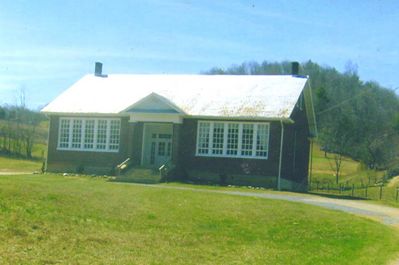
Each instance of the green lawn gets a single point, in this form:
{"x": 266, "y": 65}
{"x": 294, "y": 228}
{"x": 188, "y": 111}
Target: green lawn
{"x": 51, "y": 219}
{"x": 9, "y": 164}
{"x": 351, "y": 171}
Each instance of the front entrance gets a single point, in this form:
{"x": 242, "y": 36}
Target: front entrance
{"x": 161, "y": 148}
{"x": 157, "y": 148}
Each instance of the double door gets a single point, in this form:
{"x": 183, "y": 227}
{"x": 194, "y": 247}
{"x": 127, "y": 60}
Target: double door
{"x": 161, "y": 148}
{"x": 157, "y": 144}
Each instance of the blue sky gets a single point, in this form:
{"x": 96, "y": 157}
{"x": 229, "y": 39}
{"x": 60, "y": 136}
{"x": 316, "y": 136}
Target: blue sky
{"x": 46, "y": 46}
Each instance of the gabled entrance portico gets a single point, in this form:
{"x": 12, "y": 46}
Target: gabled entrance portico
{"x": 155, "y": 119}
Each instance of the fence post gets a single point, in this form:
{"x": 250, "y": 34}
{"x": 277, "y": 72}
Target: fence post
{"x": 381, "y": 191}
{"x": 317, "y": 186}
{"x": 365, "y": 191}
{"x": 397, "y": 191}
{"x": 353, "y": 189}
{"x": 339, "y": 188}
{"x": 328, "y": 187}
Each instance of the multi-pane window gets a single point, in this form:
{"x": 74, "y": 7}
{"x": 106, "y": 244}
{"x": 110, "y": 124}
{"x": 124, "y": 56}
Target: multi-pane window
{"x": 89, "y": 134}
{"x": 63, "y": 141}
{"x": 217, "y": 143}
{"x": 247, "y": 139}
{"x": 102, "y": 134}
{"x": 76, "y": 133}
{"x": 203, "y": 138}
{"x": 233, "y": 139}
{"x": 262, "y": 144}
{"x": 114, "y": 134}
{"x": 161, "y": 148}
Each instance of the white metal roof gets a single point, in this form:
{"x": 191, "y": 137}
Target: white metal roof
{"x": 267, "y": 96}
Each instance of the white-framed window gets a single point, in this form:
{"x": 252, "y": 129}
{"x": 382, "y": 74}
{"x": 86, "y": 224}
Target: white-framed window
{"x": 89, "y": 134}
{"x": 101, "y": 143}
{"x": 63, "y": 137}
{"x": 76, "y": 134}
{"x": 217, "y": 143}
{"x": 203, "y": 138}
{"x": 262, "y": 140}
{"x": 247, "y": 139}
{"x": 233, "y": 139}
{"x": 114, "y": 133}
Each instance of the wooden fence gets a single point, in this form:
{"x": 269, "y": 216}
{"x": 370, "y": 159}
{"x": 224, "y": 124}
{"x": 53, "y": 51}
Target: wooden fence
{"x": 379, "y": 191}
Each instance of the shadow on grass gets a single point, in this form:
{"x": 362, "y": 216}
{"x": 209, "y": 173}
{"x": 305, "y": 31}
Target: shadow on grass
{"x": 337, "y": 196}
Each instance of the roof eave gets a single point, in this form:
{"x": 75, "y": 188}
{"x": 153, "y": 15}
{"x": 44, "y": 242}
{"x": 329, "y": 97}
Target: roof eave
{"x": 85, "y": 114}
{"x": 249, "y": 118}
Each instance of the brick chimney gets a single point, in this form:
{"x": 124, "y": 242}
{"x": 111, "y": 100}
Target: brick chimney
{"x": 294, "y": 68}
{"x": 98, "y": 70}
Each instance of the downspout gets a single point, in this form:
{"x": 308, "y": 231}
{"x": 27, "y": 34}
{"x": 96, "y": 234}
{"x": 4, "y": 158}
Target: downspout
{"x": 45, "y": 160}
{"x": 311, "y": 164}
{"x": 281, "y": 156}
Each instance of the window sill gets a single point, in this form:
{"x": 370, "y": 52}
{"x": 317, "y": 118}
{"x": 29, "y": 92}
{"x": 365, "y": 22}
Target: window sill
{"x": 236, "y": 157}
{"x": 87, "y": 150}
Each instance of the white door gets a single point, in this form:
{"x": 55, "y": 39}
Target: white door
{"x": 157, "y": 144}
{"x": 161, "y": 149}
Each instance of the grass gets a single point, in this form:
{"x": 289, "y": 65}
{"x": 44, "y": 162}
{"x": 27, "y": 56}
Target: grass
{"x": 9, "y": 164}
{"x": 351, "y": 171}
{"x": 51, "y": 219}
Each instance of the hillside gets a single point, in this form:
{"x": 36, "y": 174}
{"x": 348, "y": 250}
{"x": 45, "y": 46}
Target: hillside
{"x": 323, "y": 169}
{"x": 356, "y": 118}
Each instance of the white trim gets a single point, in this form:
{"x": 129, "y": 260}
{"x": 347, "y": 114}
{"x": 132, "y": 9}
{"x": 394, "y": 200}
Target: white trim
{"x": 248, "y": 119}
{"x": 309, "y": 109}
{"x": 164, "y": 100}
{"x": 82, "y": 130}
{"x": 143, "y": 145}
{"x": 239, "y": 138}
{"x": 108, "y": 134}
{"x": 240, "y": 128}
{"x": 281, "y": 157}
{"x": 157, "y": 117}
{"x": 70, "y": 124}
{"x": 197, "y": 140}
{"x": 254, "y": 138}
{"x": 225, "y": 135}
{"x": 210, "y": 140}
{"x": 87, "y": 150}
{"x": 182, "y": 116}
{"x": 146, "y": 136}
{"x": 89, "y": 115}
